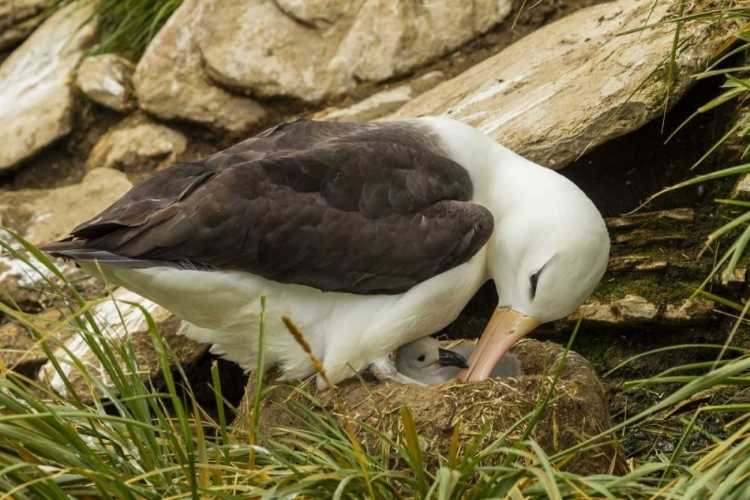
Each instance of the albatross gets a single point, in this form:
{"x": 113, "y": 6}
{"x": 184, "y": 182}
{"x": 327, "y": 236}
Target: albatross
{"x": 367, "y": 235}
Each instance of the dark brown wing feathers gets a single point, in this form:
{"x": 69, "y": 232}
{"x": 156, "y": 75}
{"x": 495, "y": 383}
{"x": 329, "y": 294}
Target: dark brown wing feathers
{"x": 360, "y": 208}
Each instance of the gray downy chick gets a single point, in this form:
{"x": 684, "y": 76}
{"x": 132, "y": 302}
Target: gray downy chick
{"x": 509, "y": 365}
{"x": 425, "y": 361}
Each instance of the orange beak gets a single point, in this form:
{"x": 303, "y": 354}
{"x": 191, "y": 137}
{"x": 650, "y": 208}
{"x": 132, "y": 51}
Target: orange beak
{"x": 506, "y": 327}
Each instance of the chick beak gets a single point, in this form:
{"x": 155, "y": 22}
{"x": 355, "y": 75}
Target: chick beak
{"x": 506, "y": 327}
{"x": 450, "y": 358}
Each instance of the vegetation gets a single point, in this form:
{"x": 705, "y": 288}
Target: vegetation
{"x": 125, "y": 26}
{"x": 133, "y": 441}
{"x": 124, "y": 438}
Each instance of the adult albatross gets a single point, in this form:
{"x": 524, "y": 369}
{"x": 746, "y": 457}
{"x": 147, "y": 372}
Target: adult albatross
{"x": 368, "y": 235}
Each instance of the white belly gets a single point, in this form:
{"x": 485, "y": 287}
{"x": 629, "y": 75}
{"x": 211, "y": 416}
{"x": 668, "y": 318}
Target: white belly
{"x": 345, "y": 331}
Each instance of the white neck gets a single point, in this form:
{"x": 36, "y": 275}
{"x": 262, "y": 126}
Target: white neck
{"x": 520, "y": 194}
{"x": 503, "y": 181}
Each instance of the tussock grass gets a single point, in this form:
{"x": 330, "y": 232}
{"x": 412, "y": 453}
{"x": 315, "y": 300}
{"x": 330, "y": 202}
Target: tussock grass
{"x": 735, "y": 87}
{"x": 125, "y": 26}
{"x": 136, "y": 442}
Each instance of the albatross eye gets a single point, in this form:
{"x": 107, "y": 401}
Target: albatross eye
{"x": 421, "y": 358}
{"x": 534, "y": 279}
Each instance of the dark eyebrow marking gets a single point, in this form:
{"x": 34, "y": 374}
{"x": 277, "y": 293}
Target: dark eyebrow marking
{"x": 534, "y": 279}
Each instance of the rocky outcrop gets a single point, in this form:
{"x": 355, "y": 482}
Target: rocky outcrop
{"x": 138, "y": 147}
{"x": 648, "y": 282}
{"x": 170, "y": 82}
{"x": 633, "y": 310}
{"x": 18, "y": 18}
{"x": 323, "y": 50}
{"x": 107, "y": 80}
{"x": 741, "y": 190}
{"x": 383, "y": 102}
{"x": 121, "y": 319}
{"x": 36, "y": 98}
{"x": 575, "y": 84}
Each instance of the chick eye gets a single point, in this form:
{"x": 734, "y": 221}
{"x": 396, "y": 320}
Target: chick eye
{"x": 534, "y": 279}
{"x": 421, "y": 358}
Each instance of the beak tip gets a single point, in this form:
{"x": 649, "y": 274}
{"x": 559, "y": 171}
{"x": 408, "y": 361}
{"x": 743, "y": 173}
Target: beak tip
{"x": 451, "y": 358}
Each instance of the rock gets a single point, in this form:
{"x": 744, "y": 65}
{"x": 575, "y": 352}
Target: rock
{"x": 36, "y": 99}
{"x": 634, "y": 310}
{"x": 385, "y": 101}
{"x": 636, "y": 262}
{"x": 19, "y": 349}
{"x": 107, "y": 80}
{"x": 737, "y": 279}
{"x": 119, "y": 318}
{"x": 644, "y": 237}
{"x": 651, "y": 228}
{"x": 680, "y": 215}
{"x": 42, "y": 216}
{"x": 742, "y": 190}
{"x": 574, "y": 84}
{"x": 18, "y": 18}
{"x": 137, "y": 147}
{"x": 170, "y": 82}
{"x": 320, "y": 50}
{"x": 691, "y": 312}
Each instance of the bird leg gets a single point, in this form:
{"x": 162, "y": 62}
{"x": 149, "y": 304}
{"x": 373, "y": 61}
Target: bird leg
{"x": 385, "y": 370}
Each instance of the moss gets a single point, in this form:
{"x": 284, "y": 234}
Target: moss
{"x": 653, "y": 287}
{"x": 594, "y": 348}
{"x": 742, "y": 337}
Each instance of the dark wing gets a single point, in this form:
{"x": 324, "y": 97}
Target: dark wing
{"x": 370, "y": 211}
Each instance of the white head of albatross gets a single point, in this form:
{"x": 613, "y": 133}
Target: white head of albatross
{"x": 368, "y": 235}
{"x": 549, "y": 248}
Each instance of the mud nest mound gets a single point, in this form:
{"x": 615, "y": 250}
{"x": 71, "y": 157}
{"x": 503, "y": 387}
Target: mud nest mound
{"x": 577, "y": 410}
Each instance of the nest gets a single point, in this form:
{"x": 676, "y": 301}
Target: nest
{"x": 576, "y": 412}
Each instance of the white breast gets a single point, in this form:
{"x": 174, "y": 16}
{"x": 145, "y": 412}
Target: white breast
{"x": 343, "y": 330}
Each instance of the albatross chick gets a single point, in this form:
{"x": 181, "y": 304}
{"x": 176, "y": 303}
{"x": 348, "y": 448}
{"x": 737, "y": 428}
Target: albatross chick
{"x": 427, "y": 362}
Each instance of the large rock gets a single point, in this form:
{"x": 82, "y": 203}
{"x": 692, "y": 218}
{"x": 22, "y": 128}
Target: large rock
{"x": 632, "y": 310}
{"x": 36, "y": 98}
{"x": 576, "y": 83}
{"x": 42, "y": 216}
{"x": 383, "y": 102}
{"x": 120, "y": 318}
{"x": 171, "y": 84}
{"x": 137, "y": 147}
{"x": 317, "y": 50}
{"x": 18, "y": 18}
{"x": 107, "y": 80}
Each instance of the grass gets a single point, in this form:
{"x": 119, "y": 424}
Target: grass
{"x": 735, "y": 90}
{"x": 127, "y": 440}
{"x": 126, "y": 27}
